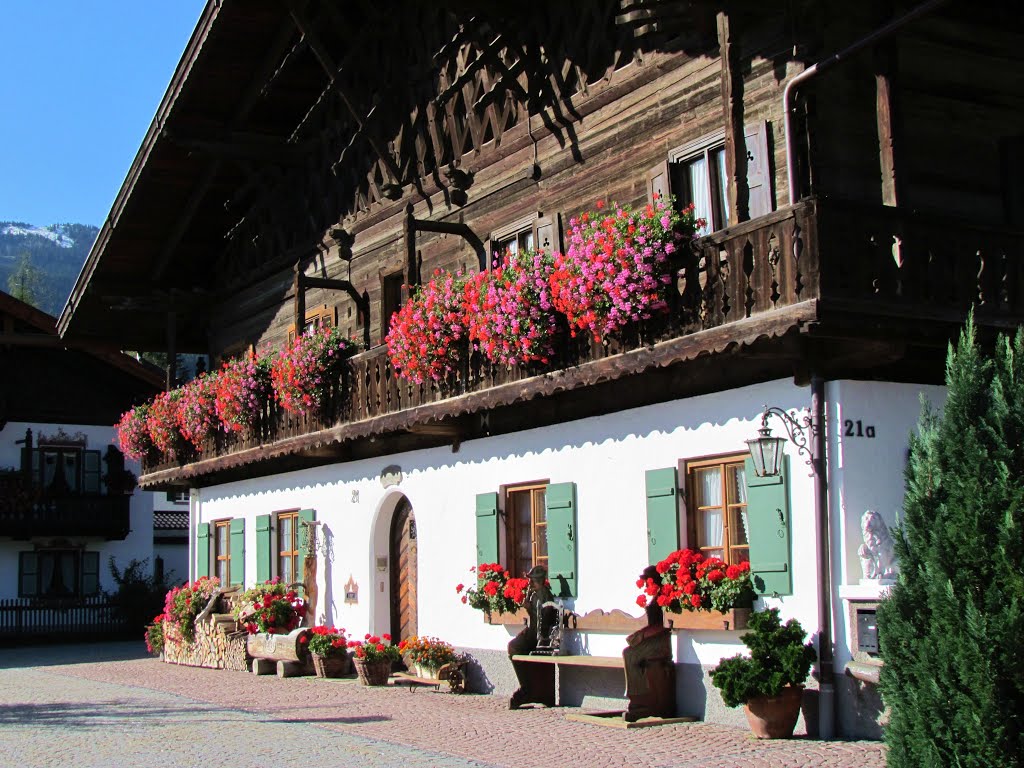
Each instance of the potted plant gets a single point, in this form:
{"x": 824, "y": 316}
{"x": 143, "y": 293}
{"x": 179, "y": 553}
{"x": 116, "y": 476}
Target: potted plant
{"x": 770, "y": 682}
{"x": 509, "y": 312}
{"x": 496, "y": 591}
{"x": 691, "y": 582}
{"x": 426, "y": 334}
{"x": 155, "y": 636}
{"x": 329, "y": 649}
{"x": 615, "y": 270}
{"x": 373, "y": 658}
{"x": 182, "y": 605}
{"x": 242, "y": 391}
{"x": 426, "y": 655}
{"x": 304, "y": 374}
{"x": 271, "y": 608}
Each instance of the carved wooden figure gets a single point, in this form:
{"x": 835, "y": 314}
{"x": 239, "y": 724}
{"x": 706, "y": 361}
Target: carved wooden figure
{"x": 650, "y": 672}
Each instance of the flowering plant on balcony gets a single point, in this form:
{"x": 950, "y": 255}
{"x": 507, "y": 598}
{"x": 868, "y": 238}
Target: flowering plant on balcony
{"x": 302, "y": 374}
{"x": 133, "y": 432}
{"x": 162, "y": 422}
{"x": 155, "y": 635}
{"x": 509, "y": 311}
{"x": 428, "y": 652}
{"x": 197, "y": 414}
{"x": 182, "y": 605}
{"x": 242, "y": 389}
{"x": 615, "y": 270}
{"x": 423, "y": 341}
{"x": 374, "y": 648}
{"x": 328, "y": 641}
{"x": 692, "y": 582}
{"x": 270, "y": 607}
{"x": 496, "y": 590}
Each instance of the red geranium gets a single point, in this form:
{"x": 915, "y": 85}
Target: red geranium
{"x": 242, "y": 391}
{"x": 423, "y": 341}
{"x": 691, "y": 581}
{"x": 303, "y": 373}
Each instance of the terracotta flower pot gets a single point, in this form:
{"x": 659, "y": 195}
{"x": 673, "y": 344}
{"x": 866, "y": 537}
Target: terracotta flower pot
{"x": 774, "y": 717}
{"x": 373, "y": 672}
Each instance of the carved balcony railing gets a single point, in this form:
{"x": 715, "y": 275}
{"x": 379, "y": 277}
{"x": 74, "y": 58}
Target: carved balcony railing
{"x": 873, "y": 261}
{"x": 25, "y": 512}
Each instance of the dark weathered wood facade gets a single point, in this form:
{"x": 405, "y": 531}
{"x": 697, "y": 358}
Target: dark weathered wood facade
{"x": 309, "y": 153}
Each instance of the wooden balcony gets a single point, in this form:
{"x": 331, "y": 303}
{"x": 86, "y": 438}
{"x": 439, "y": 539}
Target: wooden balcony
{"x": 829, "y": 269}
{"x": 25, "y": 512}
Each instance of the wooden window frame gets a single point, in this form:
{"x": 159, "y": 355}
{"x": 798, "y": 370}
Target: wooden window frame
{"x": 692, "y": 509}
{"x": 527, "y": 224}
{"x": 79, "y": 571}
{"x": 693, "y": 150}
{"x": 321, "y": 315}
{"x": 509, "y": 529}
{"x": 279, "y": 552}
{"x": 216, "y": 556}
{"x": 387, "y": 311}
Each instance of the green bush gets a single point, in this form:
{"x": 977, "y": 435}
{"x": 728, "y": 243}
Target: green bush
{"x": 139, "y": 595}
{"x": 952, "y": 628}
{"x": 778, "y": 657}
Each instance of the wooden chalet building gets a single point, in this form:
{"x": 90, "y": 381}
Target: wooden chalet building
{"x": 67, "y": 501}
{"x": 859, "y": 166}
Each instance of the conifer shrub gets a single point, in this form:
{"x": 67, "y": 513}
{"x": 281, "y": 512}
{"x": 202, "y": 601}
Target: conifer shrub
{"x": 951, "y": 630}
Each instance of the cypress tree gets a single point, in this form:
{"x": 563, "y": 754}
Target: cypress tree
{"x": 951, "y": 630}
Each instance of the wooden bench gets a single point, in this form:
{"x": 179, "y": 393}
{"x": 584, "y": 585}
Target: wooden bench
{"x": 541, "y": 684}
{"x": 609, "y": 662}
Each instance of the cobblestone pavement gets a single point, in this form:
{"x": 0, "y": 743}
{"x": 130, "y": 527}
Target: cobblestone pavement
{"x": 105, "y": 706}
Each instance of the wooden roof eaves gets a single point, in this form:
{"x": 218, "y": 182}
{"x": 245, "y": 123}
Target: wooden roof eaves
{"x": 733, "y": 335}
{"x": 174, "y": 88}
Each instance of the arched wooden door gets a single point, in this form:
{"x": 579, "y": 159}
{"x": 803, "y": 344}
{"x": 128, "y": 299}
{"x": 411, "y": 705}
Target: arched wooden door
{"x": 403, "y": 572}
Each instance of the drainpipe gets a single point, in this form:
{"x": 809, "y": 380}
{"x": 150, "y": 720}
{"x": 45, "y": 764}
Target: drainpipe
{"x": 830, "y": 62}
{"x": 826, "y": 673}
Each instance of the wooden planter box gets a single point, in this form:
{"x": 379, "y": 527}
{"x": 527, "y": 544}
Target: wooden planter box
{"x": 518, "y": 618}
{"x": 709, "y": 620}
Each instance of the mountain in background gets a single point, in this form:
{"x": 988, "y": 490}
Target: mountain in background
{"x": 55, "y": 255}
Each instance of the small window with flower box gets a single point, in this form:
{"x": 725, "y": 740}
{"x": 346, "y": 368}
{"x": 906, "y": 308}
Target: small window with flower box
{"x": 536, "y": 232}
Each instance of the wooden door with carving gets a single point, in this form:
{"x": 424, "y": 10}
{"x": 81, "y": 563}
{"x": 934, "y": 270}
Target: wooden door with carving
{"x": 403, "y": 572}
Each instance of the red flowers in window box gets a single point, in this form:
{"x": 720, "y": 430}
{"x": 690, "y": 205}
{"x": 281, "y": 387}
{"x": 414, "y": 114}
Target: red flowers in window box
{"x": 303, "y": 373}
{"x": 496, "y": 590}
{"x": 242, "y": 390}
{"x": 509, "y": 312}
{"x": 424, "y": 338}
{"x": 197, "y": 414}
{"x": 133, "y": 432}
{"x": 691, "y": 582}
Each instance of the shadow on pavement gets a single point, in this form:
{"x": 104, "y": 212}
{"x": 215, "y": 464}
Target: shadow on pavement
{"x": 76, "y": 653}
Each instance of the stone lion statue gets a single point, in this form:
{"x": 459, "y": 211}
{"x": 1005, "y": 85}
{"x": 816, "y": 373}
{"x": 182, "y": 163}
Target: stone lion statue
{"x": 877, "y": 558}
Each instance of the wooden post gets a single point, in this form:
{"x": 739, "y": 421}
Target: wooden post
{"x": 300, "y": 300}
{"x": 411, "y": 278}
{"x": 886, "y": 115}
{"x": 172, "y": 350}
{"x": 737, "y": 194}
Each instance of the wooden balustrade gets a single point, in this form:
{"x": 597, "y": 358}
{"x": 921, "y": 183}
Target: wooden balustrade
{"x": 872, "y": 259}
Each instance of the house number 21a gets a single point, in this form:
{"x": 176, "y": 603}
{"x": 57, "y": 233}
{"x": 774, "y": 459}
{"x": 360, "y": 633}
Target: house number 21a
{"x": 857, "y": 429}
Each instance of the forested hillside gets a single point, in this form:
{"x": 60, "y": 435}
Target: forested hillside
{"x": 44, "y": 261}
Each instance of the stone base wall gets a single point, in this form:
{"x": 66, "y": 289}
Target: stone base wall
{"x": 218, "y": 644}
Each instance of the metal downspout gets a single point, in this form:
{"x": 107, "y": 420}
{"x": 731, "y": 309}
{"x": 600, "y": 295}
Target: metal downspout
{"x": 826, "y": 673}
{"x": 830, "y": 62}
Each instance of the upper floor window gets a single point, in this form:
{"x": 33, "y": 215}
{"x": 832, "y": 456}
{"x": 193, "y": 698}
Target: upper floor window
{"x": 537, "y": 232}
{"x": 322, "y": 316}
{"x": 697, "y": 172}
{"x": 391, "y": 287}
{"x": 717, "y": 494}
{"x": 65, "y": 469}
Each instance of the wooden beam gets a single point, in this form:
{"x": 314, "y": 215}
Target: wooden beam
{"x": 322, "y": 55}
{"x": 887, "y": 119}
{"x": 172, "y": 350}
{"x": 732, "y": 107}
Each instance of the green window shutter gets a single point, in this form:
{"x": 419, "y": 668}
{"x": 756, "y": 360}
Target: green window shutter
{"x": 28, "y": 574}
{"x": 769, "y": 531}
{"x": 560, "y": 508}
{"x": 91, "y": 471}
{"x": 90, "y": 573}
{"x": 662, "y": 513}
{"x": 486, "y": 528}
{"x": 237, "y": 570}
{"x": 305, "y": 516}
{"x": 202, "y": 550}
{"x": 264, "y": 548}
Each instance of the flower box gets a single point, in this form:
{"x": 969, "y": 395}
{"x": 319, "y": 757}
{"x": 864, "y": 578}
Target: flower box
{"x": 735, "y": 619}
{"x": 517, "y": 618}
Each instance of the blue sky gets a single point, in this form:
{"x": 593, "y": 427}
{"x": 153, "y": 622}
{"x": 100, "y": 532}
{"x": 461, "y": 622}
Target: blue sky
{"x": 80, "y": 81}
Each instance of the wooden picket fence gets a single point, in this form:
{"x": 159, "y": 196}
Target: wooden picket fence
{"x": 82, "y": 619}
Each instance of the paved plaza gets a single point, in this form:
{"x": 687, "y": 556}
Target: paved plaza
{"x": 106, "y": 705}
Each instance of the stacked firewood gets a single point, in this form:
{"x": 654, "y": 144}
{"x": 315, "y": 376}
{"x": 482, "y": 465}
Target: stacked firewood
{"x": 219, "y": 642}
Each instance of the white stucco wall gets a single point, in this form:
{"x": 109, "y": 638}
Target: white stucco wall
{"x": 605, "y": 456}
{"x": 138, "y": 544}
